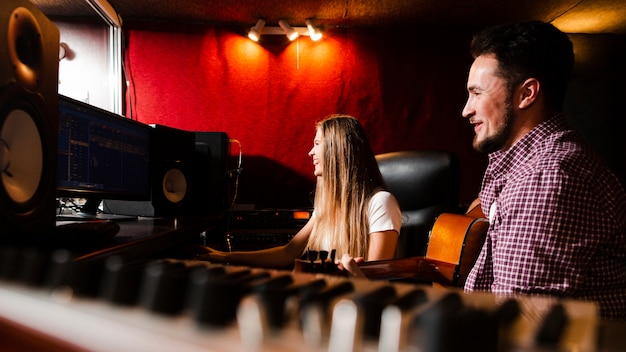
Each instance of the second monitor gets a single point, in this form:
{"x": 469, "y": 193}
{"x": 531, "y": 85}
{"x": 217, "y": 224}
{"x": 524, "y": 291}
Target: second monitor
{"x": 101, "y": 155}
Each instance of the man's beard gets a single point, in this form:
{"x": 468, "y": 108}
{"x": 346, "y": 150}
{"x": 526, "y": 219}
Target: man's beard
{"x": 496, "y": 142}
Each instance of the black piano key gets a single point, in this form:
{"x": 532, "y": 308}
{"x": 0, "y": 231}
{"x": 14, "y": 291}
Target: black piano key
{"x": 552, "y": 326}
{"x": 9, "y": 258}
{"x": 204, "y": 295}
{"x": 269, "y": 283}
{"x": 506, "y": 313}
{"x": 432, "y": 329}
{"x": 328, "y": 293}
{"x": 272, "y": 292}
{"x": 410, "y": 299}
{"x": 371, "y": 305}
{"x": 502, "y": 318}
{"x": 220, "y": 297}
{"x": 322, "y": 298}
{"x": 393, "y": 327}
{"x": 197, "y": 278}
{"x": 31, "y": 267}
{"x": 163, "y": 288}
{"x": 275, "y": 298}
{"x": 311, "y": 290}
{"x": 24, "y": 265}
{"x": 121, "y": 282}
{"x": 476, "y": 331}
{"x": 83, "y": 278}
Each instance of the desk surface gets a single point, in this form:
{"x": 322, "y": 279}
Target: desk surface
{"x": 145, "y": 237}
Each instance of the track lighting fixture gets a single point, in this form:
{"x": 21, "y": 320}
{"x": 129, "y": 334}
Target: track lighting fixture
{"x": 255, "y": 32}
{"x": 289, "y": 32}
{"x": 314, "y": 33}
{"x": 284, "y": 29}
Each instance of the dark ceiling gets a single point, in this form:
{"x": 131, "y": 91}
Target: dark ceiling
{"x": 574, "y": 16}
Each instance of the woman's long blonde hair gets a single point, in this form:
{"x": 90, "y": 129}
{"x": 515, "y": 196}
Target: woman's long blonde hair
{"x": 350, "y": 175}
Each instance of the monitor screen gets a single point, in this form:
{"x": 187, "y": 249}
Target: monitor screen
{"x": 101, "y": 154}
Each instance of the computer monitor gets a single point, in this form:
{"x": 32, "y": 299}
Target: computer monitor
{"x": 101, "y": 155}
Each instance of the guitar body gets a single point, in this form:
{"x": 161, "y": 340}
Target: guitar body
{"x": 454, "y": 245}
{"x": 457, "y": 239}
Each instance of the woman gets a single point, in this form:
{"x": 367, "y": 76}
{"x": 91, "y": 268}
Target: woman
{"x": 353, "y": 213}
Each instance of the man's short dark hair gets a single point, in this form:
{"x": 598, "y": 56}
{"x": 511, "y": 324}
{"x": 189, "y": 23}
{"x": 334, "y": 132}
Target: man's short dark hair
{"x": 531, "y": 49}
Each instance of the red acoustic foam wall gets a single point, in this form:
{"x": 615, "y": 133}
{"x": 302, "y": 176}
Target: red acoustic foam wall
{"x": 407, "y": 91}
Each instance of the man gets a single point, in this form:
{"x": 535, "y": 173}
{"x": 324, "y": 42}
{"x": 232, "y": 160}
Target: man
{"x": 557, "y": 215}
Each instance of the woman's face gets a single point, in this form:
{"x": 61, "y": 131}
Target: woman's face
{"x": 317, "y": 153}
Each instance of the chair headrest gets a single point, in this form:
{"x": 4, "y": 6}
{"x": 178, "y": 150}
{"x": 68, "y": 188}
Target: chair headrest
{"x": 421, "y": 178}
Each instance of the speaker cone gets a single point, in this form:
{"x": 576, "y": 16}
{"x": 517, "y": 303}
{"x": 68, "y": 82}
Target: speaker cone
{"x": 21, "y": 157}
{"x": 174, "y": 185}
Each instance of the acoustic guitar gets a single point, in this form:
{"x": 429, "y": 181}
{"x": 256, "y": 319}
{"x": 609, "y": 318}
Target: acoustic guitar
{"x": 454, "y": 243}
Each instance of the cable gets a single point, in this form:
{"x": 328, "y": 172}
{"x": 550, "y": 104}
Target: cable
{"x": 237, "y": 173}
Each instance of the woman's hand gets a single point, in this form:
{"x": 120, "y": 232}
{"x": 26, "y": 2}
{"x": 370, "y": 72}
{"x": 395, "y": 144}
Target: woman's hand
{"x": 351, "y": 266}
{"x": 205, "y": 253}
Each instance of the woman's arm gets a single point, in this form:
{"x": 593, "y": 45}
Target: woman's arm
{"x": 277, "y": 257}
{"x": 385, "y": 220}
{"x": 382, "y": 245}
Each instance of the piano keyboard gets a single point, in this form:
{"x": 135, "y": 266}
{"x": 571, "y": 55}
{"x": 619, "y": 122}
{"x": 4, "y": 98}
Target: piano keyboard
{"x": 188, "y": 305}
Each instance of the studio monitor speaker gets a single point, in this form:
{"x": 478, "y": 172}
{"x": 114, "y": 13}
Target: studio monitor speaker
{"x": 211, "y": 172}
{"x": 172, "y": 179}
{"x": 29, "y": 63}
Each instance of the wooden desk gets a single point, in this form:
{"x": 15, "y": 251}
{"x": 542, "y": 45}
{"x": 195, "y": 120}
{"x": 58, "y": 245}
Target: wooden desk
{"x": 146, "y": 237}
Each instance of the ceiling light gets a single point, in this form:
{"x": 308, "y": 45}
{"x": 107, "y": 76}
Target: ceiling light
{"x": 314, "y": 33}
{"x": 255, "y": 32}
{"x": 289, "y": 32}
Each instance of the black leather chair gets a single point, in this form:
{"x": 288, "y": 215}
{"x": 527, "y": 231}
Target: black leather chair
{"x": 426, "y": 184}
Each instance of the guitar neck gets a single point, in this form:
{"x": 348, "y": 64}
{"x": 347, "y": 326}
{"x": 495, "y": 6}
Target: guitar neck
{"x": 421, "y": 268}
{"x": 414, "y": 267}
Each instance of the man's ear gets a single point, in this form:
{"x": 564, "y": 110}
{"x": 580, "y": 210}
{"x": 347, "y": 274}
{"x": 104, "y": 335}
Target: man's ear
{"x": 528, "y": 93}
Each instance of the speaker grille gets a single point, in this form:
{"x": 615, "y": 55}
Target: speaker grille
{"x": 29, "y": 59}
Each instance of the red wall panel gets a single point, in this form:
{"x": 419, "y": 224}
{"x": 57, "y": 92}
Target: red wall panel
{"x": 406, "y": 88}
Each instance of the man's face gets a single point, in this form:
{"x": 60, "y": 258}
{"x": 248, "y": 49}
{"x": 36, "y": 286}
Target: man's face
{"x": 488, "y": 106}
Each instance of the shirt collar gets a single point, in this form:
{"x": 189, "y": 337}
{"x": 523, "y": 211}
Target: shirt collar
{"x": 501, "y": 160}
